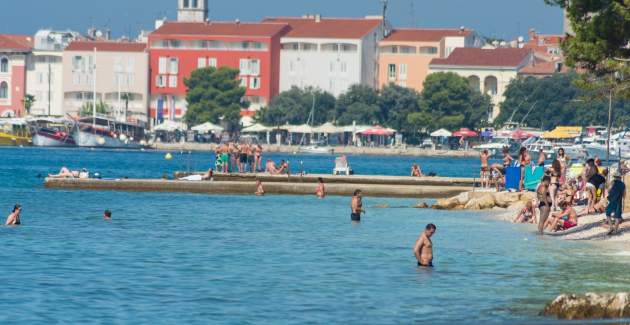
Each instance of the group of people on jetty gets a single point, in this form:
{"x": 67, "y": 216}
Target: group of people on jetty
{"x": 562, "y": 197}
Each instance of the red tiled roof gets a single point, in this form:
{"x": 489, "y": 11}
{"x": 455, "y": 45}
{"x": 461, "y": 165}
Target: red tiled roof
{"x": 106, "y": 46}
{"x": 328, "y": 27}
{"x": 500, "y": 57}
{"x": 424, "y": 34}
{"x": 542, "y": 68}
{"x": 15, "y": 42}
{"x": 221, "y": 29}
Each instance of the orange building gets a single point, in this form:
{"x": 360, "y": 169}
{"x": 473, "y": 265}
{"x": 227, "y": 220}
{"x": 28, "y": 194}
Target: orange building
{"x": 405, "y": 54}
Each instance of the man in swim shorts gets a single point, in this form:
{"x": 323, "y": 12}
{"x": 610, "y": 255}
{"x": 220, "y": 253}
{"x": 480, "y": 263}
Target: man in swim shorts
{"x": 423, "y": 250}
{"x": 616, "y": 193}
{"x": 356, "y": 206}
{"x": 485, "y": 171}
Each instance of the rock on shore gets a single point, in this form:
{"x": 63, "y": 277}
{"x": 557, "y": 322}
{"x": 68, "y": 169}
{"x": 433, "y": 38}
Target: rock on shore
{"x": 589, "y": 306}
{"x": 484, "y": 200}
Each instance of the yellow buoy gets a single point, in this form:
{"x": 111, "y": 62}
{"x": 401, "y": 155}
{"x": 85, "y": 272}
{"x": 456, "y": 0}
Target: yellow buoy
{"x": 168, "y": 156}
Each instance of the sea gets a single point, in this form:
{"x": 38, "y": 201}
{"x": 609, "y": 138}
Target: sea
{"x": 175, "y": 258}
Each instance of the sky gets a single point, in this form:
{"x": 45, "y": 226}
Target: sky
{"x": 505, "y": 19}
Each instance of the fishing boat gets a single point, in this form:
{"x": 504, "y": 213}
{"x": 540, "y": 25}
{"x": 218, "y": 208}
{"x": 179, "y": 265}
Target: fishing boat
{"x": 14, "y": 132}
{"x": 104, "y": 132}
{"x": 52, "y": 132}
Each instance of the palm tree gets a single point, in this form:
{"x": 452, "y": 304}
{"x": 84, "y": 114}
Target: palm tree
{"x": 28, "y": 102}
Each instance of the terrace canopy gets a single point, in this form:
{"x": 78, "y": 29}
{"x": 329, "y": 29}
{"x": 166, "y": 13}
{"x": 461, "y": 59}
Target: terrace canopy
{"x": 207, "y": 127}
{"x": 378, "y": 130}
{"x": 256, "y": 128}
{"x": 169, "y": 126}
{"x": 441, "y": 133}
{"x": 465, "y": 132}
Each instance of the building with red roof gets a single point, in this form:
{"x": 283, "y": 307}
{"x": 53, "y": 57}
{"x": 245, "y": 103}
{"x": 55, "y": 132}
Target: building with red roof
{"x": 117, "y": 70}
{"x": 178, "y": 48}
{"x": 405, "y": 54}
{"x": 329, "y": 53}
{"x": 488, "y": 70}
{"x": 14, "y": 50}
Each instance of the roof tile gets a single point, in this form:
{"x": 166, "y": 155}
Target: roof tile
{"x": 221, "y": 29}
{"x": 424, "y": 34}
{"x": 345, "y": 28}
{"x": 16, "y": 42}
{"x": 103, "y": 46}
{"x": 500, "y": 57}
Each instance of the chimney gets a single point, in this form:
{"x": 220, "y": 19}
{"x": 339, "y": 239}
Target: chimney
{"x": 532, "y": 34}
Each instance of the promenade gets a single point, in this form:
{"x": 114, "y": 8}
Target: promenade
{"x": 338, "y": 150}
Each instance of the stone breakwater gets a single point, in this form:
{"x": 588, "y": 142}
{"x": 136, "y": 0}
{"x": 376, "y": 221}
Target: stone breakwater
{"x": 589, "y": 306}
{"x": 485, "y": 200}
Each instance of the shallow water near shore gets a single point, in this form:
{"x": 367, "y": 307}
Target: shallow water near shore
{"x": 188, "y": 258}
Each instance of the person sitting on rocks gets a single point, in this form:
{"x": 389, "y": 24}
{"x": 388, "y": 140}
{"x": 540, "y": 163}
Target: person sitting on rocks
{"x": 526, "y": 215}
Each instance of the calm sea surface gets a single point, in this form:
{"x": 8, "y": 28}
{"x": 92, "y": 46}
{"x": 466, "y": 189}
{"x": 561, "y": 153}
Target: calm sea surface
{"x": 189, "y": 258}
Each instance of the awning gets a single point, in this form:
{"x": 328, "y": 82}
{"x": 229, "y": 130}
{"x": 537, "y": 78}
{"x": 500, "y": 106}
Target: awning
{"x": 304, "y": 128}
{"x": 519, "y": 134}
{"x": 328, "y": 128}
{"x": 563, "y": 132}
{"x": 441, "y": 133}
{"x": 465, "y": 132}
{"x": 12, "y": 121}
{"x": 378, "y": 130}
{"x": 208, "y": 127}
{"x": 256, "y": 128}
{"x": 169, "y": 126}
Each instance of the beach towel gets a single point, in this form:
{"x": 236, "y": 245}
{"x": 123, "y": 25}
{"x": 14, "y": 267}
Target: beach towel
{"x": 512, "y": 178}
{"x": 532, "y": 177}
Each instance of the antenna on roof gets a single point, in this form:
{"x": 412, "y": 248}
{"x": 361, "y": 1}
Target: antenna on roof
{"x": 385, "y": 27}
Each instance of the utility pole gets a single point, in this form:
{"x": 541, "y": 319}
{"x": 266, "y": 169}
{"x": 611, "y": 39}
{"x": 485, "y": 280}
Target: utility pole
{"x": 610, "y": 110}
{"x": 49, "y": 82}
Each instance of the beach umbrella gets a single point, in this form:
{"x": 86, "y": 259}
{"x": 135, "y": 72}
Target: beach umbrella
{"x": 441, "y": 133}
{"x": 519, "y": 134}
{"x": 465, "y": 132}
{"x": 304, "y": 128}
{"x": 328, "y": 128}
{"x": 256, "y": 128}
{"x": 207, "y": 127}
{"x": 378, "y": 130}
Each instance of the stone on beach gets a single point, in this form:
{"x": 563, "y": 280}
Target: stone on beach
{"x": 484, "y": 200}
{"x": 589, "y": 306}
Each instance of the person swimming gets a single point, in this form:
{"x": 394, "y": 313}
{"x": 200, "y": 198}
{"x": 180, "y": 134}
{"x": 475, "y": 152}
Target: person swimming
{"x": 320, "y": 192}
{"x": 356, "y": 206}
{"x": 260, "y": 190}
{"x": 107, "y": 215}
{"x": 423, "y": 249}
{"x": 14, "y": 218}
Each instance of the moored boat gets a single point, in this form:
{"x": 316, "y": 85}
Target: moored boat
{"x": 316, "y": 150}
{"x": 14, "y": 132}
{"x": 52, "y": 132}
{"x": 103, "y": 132}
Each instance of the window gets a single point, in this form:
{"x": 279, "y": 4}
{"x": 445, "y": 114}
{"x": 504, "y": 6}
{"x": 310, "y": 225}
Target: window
{"x": 131, "y": 63}
{"x": 163, "y": 61}
{"x": 174, "y": 66}
{"x": 254, "y": 66}
{"x": 195, "y": 4}
{"x": 391, "y": 72}
{"x": 389, "y": 49}
{"x": 291, "y": 46}
{"x": 330, "y": 47}
{"x": 4, "y": 90}
{"x": 244, "y": 66}
{"x": 291, "y": 67}
{"x": 40, "y": 78}
{"x": 76, "y": 78}
{"x": 160, "y": 81}
{"x": 348, "y": 48}
{"x": 4, "y": 65}
{"x": 118, "y": 65}
{"x": 344, "y": 67}
{"x": 407, "y": 49}
{"x": 130, "y": 80}
{"x": 254, "y": 83}
{"x": 186, "y": 3}
{"x": 172, "y": 81}
{"x": 428, "y": 50}
{"x": 403, "y": 71}
{"x": 212, "y": 62}
{"x": 332, "y": 67}
{"x": 78, "y": 63}
{"x": 201, "y": 63}
{"x": 243, "y": 82}
{"x": 308, "y": 47}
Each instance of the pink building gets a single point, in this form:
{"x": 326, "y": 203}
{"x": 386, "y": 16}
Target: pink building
{"x": 13, "y": 52}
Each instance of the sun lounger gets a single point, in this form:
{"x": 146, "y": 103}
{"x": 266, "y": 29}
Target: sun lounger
{"x": 341, "y": 166}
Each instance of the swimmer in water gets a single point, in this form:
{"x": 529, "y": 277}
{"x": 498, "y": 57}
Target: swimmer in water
{"x": 356, "y": 206}
{"x": 107, "y": 215}
{"x": 423, "y": 250}
{"x": 320, "y": 192}
{"x": 14, "y": 218}
{"x": 260, "y": 190}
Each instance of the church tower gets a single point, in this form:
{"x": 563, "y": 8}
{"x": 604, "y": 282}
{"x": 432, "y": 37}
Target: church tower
{"x": 192, "y": 10}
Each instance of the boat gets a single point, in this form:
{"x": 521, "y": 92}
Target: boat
{"x": 621, "y": 144}
{"x": 573, "y": 151}
{"x": 52, "y": 132}
{"x": 316, "y": 150}
{"x": 104, "y": 132}
{"x": 14, "y": 132}
{"x": 496, "y": 145}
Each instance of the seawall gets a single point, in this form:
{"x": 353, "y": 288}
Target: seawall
{"x": 248, "y": 188}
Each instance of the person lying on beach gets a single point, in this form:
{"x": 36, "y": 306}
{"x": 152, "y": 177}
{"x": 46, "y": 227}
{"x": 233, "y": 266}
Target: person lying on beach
{"x": 65, "y": 173}
{"x": 270, "y": 167}
{"x": 14, "y": 218}
{"x": 197, "y": 178}
{"x": 284, "y": 168}
{"x": 320, "y": 192}
{"x": 416, "y": 171}
{"x": 526, "y": 215}
{"x": 423, "y": 249}
{"x": 565, "y": 219}
{"x": 260, "y": 190}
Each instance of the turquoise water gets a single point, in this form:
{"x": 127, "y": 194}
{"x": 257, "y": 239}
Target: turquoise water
{"x": 188, "y": 258}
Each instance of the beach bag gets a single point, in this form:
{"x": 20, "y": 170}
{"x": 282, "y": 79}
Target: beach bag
{"x": 532, "y": 177}
{"x": 512, "y": 178}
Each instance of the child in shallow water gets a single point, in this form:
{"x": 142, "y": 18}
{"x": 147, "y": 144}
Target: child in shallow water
{"x": 526, "y": 215}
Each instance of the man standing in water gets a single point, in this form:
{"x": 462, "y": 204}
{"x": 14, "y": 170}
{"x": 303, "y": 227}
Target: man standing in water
{"x": 14, "y": 218}
{"x": 423, "y": 250}
{"x": 356, "y": 206}
{"x": 107, "y": 215}
{"x": 485, "y": 171}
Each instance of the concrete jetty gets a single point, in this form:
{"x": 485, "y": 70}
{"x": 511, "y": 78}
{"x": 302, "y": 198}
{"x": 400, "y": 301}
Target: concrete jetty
{"x": 274, "y": 184}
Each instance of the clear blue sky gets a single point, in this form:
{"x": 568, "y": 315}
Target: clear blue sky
{"x": 497, "y": 18}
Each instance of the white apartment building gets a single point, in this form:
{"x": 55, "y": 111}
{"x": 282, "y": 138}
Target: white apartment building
{"x": 44, "y": 71}
{"x": 329, "y": 53}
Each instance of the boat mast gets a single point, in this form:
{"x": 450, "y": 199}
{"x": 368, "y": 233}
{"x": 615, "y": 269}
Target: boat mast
{"x": 94, "y": 90}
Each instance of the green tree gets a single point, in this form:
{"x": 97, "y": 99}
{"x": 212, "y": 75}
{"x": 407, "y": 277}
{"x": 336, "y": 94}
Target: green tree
{"x": 448, "y": 102}
{"x": 359, "y": 104}
{"x": 397, "y": 103}
{"x": 599, "y": 43}
{"x": 101, "y": 109}
{"x": 28, "y": 101}
{"x": 214, "y": 95}
{"x": 557, "y": 100}
{"x": 294, "y": 106}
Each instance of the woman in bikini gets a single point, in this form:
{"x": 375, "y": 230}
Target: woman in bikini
{"x": 320, "y": 192}
{"x": 555, "y": 173}
{"x": 544, "y": 202}
{"x": 526, "y": 215}
{"x": 564, "y": 162}
{"x": 524, "y": 160}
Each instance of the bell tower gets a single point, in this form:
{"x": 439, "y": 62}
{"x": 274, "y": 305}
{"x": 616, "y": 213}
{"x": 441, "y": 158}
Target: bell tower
{"x": 192, "y": 10}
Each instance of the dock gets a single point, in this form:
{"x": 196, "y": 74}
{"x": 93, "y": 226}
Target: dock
{"x": 244, "y": 184}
